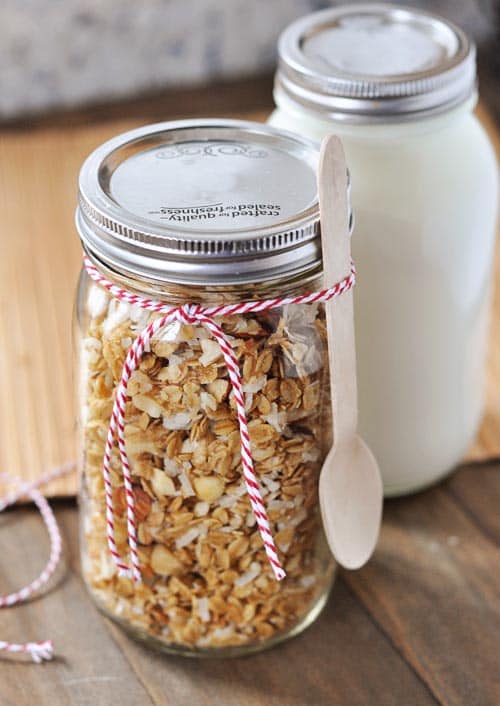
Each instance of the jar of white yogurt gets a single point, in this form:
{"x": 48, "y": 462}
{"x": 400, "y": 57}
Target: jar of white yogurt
{"x": 399, "y": 86}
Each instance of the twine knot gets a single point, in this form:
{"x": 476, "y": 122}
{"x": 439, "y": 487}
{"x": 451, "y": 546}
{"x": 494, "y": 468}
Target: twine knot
{"x": 188, "y": 313}
{"x": 40, "y": 651}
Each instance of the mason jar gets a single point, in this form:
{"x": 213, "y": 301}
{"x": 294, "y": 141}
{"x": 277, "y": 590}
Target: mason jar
{"x": 398, "y": 86}
{"x": 203, "y": 213}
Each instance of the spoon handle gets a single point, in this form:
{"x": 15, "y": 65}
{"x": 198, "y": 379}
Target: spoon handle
{"x": 336, "y": 251}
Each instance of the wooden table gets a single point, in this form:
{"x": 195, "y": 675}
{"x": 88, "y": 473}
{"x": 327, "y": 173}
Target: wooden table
{"x": 419, "y": 625}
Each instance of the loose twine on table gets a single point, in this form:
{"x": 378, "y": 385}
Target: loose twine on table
{"x": 185, "y": 314}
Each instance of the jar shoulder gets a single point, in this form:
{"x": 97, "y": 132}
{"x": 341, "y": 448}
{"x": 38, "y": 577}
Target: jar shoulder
{"x": 454, "y": 157}
{"x": 463, "y": 137}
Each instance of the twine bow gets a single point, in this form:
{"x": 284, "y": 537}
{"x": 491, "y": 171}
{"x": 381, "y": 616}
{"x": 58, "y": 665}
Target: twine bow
{"x": 189, "y": 314}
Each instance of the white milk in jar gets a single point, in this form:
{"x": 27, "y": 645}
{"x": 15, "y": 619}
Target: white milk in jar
{"x": 398, "y": 86}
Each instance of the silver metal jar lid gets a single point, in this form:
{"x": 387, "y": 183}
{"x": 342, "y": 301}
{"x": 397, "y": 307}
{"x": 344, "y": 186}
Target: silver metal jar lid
{"x": 375, "y": 62}
{"x": 202, "y": 201}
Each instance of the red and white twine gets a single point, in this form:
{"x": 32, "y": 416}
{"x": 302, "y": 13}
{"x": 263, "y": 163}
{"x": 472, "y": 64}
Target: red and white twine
{"x": 190, "y": 314}
{"x": 38, "y": 651}
{"x": 185, "y": 314}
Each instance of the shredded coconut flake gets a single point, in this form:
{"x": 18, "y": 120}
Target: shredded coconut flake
{"x": 223, "y": 633}
{"x": 211, "y": 351}
{"x": 275, "y": 418}
{"x": 97, "y": 301}
{"x": 177, "y": 421}
{"x": 171, "y": 467}
{"x": 187, "y": 537}
{"x": 208, "y": 401}
{"x": 227, "y": 500}
{"x": 203, "y": 610}
{"x": 188, "y": 446}
{"x": 201, "y": 509}
{"x": 138, "y": 315}
{"x": 276, "y": 504}
{"x": 249, "y": 575}
{"x": 118, "y": 312}
{"x": 240, "y": 490}
{"x": 174, "y": 360}
{"x": 186, "y": 487}
{"x": 256, "y": 385}
{"x": 169, "y": 333}
{"x": 271, "y": 484}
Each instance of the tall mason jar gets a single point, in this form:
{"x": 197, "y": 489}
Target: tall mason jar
{"x": 204, "y": 212}
{"x": 399, "y": 87}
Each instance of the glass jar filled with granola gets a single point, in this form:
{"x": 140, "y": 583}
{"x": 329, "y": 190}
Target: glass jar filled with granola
{"x": 202, "y": 213}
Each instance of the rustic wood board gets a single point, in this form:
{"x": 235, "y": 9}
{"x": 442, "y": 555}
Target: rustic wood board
{"x": 39, "y": 264}
{"x": 418, "y": 626}
{"x": 435, "y": 571}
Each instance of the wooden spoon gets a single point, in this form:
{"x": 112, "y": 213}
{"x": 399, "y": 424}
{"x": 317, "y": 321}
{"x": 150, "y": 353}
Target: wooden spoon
{"x": 350, "y": 487}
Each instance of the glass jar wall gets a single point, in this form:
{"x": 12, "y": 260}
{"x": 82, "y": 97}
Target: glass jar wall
{"x": 207, "y": 587}
{"x": 398, "y": 87}
{"x": 207, "y": 583}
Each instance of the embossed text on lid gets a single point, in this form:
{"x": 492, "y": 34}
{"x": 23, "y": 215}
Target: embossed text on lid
{"x": 196, "y": 201}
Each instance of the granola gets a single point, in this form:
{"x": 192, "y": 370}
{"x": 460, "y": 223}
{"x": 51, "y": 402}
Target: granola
{"x": 206, "y": 579}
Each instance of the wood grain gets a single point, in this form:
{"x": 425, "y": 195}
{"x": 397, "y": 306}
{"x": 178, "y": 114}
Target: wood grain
{"x": 476, "y": 488}
{"x": 88, "y": 668}
{"x": 418, "y": 626}
{"x": 343, "y": 659}
{"x": 433, "y": 588}
{"x": 39, "y": 264}
{"x": 315, "y": 669}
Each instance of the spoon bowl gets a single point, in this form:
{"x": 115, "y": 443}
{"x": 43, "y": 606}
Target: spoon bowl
{"x": 349, "y": 479}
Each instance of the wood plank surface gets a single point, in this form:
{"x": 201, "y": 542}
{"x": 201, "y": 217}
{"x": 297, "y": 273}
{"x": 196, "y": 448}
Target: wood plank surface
{"x": 419, "y": 625}
{"x": 88, "y": 668}
{"x": 40, "y": 260}
{"x": 433, "y": 588}
{"x": 476, "y": 487}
